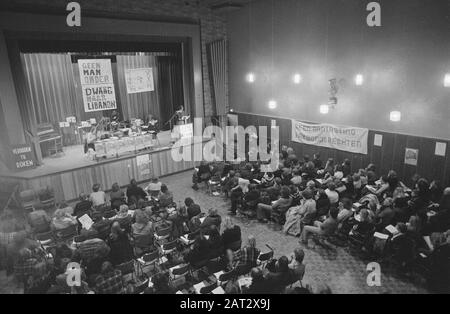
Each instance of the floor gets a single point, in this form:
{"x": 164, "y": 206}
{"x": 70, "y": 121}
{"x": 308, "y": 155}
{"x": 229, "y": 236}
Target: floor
{"x": 341, "y": 271}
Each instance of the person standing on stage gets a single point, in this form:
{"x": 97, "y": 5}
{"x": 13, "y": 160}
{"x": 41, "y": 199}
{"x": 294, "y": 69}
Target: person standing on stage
{"x": 179, "y": 115}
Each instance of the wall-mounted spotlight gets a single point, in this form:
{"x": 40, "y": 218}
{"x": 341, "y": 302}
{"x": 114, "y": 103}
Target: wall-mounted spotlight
{"x": 250, "y": 77}
{"x": 395, "y": 116}
{"x": 297, "y": 78}
{"x": 272, "y": 104}
{"x": 324, "y": 109}
{"x": 447, "y": 80}
{"x": 359, "y": 79}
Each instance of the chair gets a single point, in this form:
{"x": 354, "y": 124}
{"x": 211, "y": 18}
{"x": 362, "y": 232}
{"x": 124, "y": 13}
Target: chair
{"x": 46, "y": 239}
{"x": 162, "y": 234}
{"x": 142, "y": 244}
{"x": 227, "y": 276}
{"x": 149, "y": 261}
{"x": 207, "y": 289}
{"x": 28, "y": 199}
{"x": 169, "y": 247}
{"x": 66, "y": 234}
{"x": 128, "y": 271}
{"x": 263, "y": 258}
{"x": 179, "y": 271}
{"x": 46, "y": 197}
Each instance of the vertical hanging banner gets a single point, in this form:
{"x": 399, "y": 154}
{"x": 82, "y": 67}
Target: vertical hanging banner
{"x": 343, "y": 138}
{"x": 97, "y": 84}
{"x": 139, "y": 80}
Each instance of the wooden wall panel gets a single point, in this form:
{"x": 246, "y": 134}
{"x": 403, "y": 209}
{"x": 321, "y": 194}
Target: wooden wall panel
{"x": 389, "y": 156}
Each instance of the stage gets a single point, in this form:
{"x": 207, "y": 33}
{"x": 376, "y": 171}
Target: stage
{"x": 72, "y": 172}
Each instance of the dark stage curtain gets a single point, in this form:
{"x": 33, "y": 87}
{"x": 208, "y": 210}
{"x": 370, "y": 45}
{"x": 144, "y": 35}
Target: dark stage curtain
{"x": 170, "y": 86}
{"x": 138, "y": 105}
{"x": 54, "y": 88}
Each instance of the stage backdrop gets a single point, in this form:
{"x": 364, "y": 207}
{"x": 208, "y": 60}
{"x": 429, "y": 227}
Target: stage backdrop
{"x": 348, "y": 139}
{"x": 53, "y": 84}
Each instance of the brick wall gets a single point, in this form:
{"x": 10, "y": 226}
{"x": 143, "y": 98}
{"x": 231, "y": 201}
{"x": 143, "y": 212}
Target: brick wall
{"x": 213, "y": 27}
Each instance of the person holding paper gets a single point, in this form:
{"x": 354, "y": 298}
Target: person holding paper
{"x": 62, "y": 220}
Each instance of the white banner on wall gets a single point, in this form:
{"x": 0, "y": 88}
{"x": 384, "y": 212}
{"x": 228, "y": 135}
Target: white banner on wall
{"x": 139, "y": 80}
{"x": 97, "y": 84}
{"x": 343, "y": 138}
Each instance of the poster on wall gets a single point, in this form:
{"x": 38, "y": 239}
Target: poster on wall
{"x": 23, "y": 157}
{"x": 143, "y": 164}
{"x": 139, "y": 80}
{"x": 349, "y": 139}
{"x": 411, "y": 156}
{"x": 97, "y": 84}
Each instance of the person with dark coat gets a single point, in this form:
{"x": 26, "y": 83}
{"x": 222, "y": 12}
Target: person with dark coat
{"x": 121, "y": 250}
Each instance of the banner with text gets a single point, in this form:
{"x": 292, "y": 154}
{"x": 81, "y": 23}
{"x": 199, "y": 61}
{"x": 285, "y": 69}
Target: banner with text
{"x": 344, "y": 138}
{"x": 97, "y": 84}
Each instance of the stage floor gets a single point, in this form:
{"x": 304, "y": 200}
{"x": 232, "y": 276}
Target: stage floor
{"x": 74, "y": 158}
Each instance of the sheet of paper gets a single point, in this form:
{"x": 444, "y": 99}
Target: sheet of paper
{"x": 440, "y": 149}
{"x": 378, "y": 140}
{"x": 86, "y": 221}
{"x": 392, "y": 229}
{"x": 381, "y": 236}
{"x": 218, "y": 290}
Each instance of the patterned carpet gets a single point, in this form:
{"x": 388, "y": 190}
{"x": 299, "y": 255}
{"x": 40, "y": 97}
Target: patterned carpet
{"x": 341, "y": 271}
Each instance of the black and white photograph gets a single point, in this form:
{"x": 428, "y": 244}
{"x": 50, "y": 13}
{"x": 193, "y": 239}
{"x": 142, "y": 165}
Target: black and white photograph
{"x": 229, "y": 153}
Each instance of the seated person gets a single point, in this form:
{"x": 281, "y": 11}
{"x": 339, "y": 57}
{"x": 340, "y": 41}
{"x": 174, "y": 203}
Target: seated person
{"x": 160, "y": 285}
{"x": 364, "y": 226}
{"x": 192, "y": 209}
{"x": 109, "y": 281}
{"x": 296, "y": 178}
{"x": 97, "y": 197}
{"x": 281, "y": 205}
{"x": 117, "y": 196}
{"x": 345, "y": 210}
{"x": 227, "y": 182}
{"x": 135, "y": 193}
{"x": 307, "y": 210}
{"x": 248, "y": 255}
{"x": 84, "y": 206}
{"x": 296, "y": 196}
{"x": 165, "y": 197}
{"x": 200, "y": 251}
{"x": 384, "y": 216}
{"x": 236, "y": 194}
{"x": 65, "y": 208}
{"x": 213, "y": 218}
{"x": 296, "y": 265}
{"x": 142, "y": 227}
{"x": 154, "y": 188}
{"x": 322, "y": 203}
{"x": 203, "y": 174}
{"x": 279, "y": 275}
{"x": 39, "y": 221}
{"x": 231, "y": 235}
{"x": 259, "y": 283}
{"x": 251, "y": 198}
{"x": 215, "y": 241}
{"x": 333, "y": 196}
{"x": 123, "y": 218}
{"x": 62, "y": 220}
{"x": 121, "y": 250}
{"x": 327, "y": 228}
